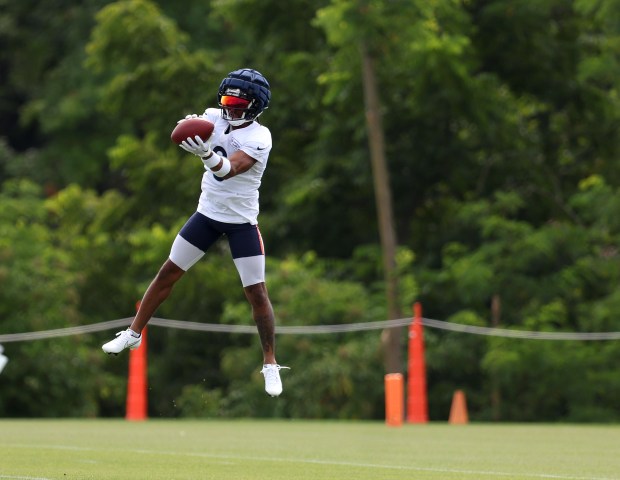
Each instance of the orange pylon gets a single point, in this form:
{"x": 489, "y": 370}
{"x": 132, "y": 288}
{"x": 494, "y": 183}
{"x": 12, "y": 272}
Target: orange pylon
{"x": 417, "y": 403}
{"x": 136, "y": 408}
{"x": 458, "y": 410}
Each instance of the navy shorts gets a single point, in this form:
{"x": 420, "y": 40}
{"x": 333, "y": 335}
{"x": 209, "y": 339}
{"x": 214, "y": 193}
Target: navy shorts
{"x": 246, "y": 245}
{"x": 244, "y": 238}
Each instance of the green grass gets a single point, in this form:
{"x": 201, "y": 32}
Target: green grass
{"x": 308, "y": 450}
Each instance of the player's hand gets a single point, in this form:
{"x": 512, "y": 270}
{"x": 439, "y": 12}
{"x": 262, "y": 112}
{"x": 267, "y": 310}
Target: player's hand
{"x": 197, "y": 146}
{"x": 187, "y": 117}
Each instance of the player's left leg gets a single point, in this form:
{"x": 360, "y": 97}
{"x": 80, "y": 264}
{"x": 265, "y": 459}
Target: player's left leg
{"x": 246, "y": 246}
{"x": 262, "y": 313}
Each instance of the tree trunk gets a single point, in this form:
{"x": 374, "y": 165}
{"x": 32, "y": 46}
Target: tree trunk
{"x": 391, "y": 339}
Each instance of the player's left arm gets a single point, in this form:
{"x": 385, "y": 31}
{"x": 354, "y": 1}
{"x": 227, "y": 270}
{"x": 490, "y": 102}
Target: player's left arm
{"x": 239, "y": 162}
{"x": 224, "y": 167}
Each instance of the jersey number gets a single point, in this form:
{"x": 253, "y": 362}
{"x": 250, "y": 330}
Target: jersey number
{"x": 220, "y": 151}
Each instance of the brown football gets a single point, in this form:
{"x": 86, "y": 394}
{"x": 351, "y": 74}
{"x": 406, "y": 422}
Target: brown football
{"x": 190, "y": 128}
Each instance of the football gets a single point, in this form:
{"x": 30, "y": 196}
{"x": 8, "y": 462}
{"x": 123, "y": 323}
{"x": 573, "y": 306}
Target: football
{"x": 190, "y": 128}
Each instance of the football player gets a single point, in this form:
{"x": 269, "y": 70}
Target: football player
{"x": 3, "y": 359}
{"x": 234, "y": 157}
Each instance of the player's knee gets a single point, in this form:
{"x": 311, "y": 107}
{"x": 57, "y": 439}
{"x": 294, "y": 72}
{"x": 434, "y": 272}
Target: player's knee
{"x": 169, "y": 273}
{"x": 257, "y": 294}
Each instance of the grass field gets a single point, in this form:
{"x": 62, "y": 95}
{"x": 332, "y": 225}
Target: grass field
{"x": 308, "y": 450}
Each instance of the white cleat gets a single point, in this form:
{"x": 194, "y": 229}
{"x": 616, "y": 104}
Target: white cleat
{"x": 273, "y": 384}
{"x": 122, "y": 341}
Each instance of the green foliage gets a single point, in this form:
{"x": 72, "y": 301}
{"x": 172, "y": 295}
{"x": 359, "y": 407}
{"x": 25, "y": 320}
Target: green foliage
{"x": 556, "y": 277}
{"x": 28, "y": 251}
{"x": 156, "y": 195}
{"x": 132, "y": 32}
{"x": 197, "y": 402}
{"x": 41, "y": 290}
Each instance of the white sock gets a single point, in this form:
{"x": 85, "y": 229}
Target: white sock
{"x": 133, "y": 334}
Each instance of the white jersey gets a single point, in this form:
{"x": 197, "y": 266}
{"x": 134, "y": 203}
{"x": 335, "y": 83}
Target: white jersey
{"x": 235, "y": 200}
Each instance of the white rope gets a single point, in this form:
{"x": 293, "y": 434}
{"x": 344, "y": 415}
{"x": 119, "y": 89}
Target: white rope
{"x": 65, "y": 332}
{"x": 501, "y": 332}
{"x": 310, "y": 329}
{"x": 286, "y": 330}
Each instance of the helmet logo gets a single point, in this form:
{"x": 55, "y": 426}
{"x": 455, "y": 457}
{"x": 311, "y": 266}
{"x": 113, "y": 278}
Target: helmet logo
{"x": 233, "y": 92}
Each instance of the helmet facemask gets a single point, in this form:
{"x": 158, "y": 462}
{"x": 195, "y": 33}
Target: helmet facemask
{"x": 237, "y": 107}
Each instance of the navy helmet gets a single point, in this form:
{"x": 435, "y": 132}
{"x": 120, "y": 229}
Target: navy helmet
{"x": 246, "y": 84}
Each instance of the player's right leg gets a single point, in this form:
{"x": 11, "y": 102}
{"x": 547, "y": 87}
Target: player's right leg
{"x": 158, "y": 291}
{"x": 189, "y": 246}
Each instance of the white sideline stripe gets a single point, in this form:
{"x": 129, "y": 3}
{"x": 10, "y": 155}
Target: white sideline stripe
{"x": 309, "y": 461}
{"x": 24, "y": 478}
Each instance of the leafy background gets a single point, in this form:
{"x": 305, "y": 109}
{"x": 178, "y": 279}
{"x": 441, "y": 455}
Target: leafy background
{"x": 501, "y": 123}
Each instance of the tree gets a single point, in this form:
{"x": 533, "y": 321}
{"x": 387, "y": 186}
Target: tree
{"x": 355, "y": 34}
{"x": 499, "y": 122}
{"x": 39, "y": 290}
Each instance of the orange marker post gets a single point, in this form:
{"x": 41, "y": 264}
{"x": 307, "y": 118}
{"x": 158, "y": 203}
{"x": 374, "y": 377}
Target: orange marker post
{"x": 417, "y": 403}
{"x": 394, "y": 399}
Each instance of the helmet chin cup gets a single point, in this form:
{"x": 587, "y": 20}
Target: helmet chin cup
{"x": 236, "y": 122}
